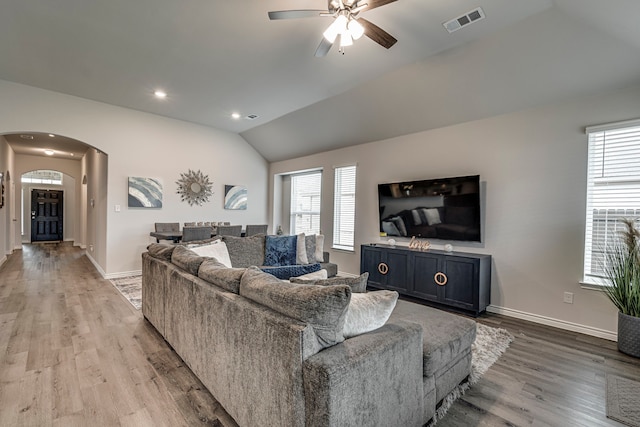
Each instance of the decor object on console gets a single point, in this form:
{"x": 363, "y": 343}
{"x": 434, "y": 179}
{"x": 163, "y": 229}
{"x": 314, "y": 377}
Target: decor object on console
{"x": 144, "y": 193}
{"x": 194, "y": 187}
{"x": 448, "y": 247}
{"x": 622, "y": 269}
{"x": 235, "y": 197}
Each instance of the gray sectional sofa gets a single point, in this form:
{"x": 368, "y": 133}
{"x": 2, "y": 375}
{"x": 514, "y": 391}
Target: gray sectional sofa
{"x": 273, "y": 353}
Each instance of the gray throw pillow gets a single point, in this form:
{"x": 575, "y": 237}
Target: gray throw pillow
{"x": 322, "y": 307}
{"x": 186, "y": 259}
{"x": 216, "y": 273}
{"x": 245, "y": 251}
{"x": 357, "y": 284}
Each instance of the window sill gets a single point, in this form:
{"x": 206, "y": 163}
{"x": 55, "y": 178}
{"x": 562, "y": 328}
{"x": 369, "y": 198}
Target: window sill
{"x": 592, "y": 286}
{"x": 343, "y": 249}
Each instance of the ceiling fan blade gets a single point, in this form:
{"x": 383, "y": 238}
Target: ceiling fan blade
{"x": 372, "y": 4}
{"x": 323, "y": 48}
{"x": 294, "y": 14}
{"x": 377, "y": 34}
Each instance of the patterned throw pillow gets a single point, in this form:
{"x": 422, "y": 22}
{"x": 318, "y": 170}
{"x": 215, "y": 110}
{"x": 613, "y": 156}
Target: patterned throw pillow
{"x": 280, "y": 250}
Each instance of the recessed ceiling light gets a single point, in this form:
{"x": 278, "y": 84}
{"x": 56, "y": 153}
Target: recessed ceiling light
{"x": 160, "y": 94}
{"x": 71, "y": 154}
{"x": 49, "y": 152}
{"x": 235, "y": 116}
{"x": 52, "y": 135}
{"x": 26, "y": 136}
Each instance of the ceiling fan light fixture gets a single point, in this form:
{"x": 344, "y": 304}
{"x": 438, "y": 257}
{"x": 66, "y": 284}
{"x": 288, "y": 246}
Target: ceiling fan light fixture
{"x": 346, "y": 39}
{"x": 356, "y": 30}
{"x": 338, "y": 26}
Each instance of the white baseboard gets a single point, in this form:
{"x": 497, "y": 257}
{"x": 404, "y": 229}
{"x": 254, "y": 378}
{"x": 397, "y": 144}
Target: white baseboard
{"x": 123, "y": 274}
{"x": 96, "y": 265}
{"x": 556, "y": 323}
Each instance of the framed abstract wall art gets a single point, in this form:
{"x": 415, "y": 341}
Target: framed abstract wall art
{"x": 235, "y": 197}
{"x": 145, "y": 193}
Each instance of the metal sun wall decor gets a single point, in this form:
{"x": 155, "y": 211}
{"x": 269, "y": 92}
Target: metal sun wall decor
{"x": 194, "y": 187}
{"x": 145, "y": 193}
{"x": 235, "y": 197}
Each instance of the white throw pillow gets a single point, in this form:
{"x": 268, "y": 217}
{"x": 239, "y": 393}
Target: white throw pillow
{"x": 301, "y": 250}
{"x": 316, "y": 275}
{"x": 319, "y": 247}
{"x": 217, "y": 250}
{"x": 368, "y": 311}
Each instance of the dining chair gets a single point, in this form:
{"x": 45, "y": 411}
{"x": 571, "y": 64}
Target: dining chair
{"x": 167, "y": 226}
{"x": 230, "y": 230}
{"x": 195, "y": 233}
{"x": 253, "y": 229}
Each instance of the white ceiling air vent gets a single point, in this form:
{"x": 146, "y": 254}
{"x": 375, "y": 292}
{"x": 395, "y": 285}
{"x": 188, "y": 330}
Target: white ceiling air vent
{"x": 464, "y": 20}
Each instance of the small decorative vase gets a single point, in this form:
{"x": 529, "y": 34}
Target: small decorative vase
{"x": 279, "y": 231}
{"x": 629, "y": 334}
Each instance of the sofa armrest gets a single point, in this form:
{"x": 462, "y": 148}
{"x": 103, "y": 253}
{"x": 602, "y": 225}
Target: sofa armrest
{"x": 325, "y": 256}
{"x": 371, "y": 379}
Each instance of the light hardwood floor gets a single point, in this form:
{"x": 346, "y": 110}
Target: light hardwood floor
{"x": 73, "y": 351}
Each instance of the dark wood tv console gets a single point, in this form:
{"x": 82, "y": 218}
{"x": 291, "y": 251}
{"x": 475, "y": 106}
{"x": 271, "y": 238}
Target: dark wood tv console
{"x": 461, "y": 281}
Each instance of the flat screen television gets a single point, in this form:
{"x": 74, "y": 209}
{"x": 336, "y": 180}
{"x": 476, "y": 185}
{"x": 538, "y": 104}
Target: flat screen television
{"x": 445, "y": 208}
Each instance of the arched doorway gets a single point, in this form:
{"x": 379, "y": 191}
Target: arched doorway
{"x": 49, "y": 210}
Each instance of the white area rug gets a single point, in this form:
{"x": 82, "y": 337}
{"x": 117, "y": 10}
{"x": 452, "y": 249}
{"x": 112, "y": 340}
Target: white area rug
{"x": 130, "y": 288}
{"x": 489, "y": 345}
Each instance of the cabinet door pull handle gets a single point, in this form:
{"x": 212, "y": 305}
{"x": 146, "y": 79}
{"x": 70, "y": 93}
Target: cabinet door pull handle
{"x": 383, "y": 268}
{"x": 440, "y": 278}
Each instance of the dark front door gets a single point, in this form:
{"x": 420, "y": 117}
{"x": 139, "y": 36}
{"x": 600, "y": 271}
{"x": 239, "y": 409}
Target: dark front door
{"x": 46, "y": 215}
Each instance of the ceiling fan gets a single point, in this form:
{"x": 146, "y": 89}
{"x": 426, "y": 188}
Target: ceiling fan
{"x": 347, "y": 24}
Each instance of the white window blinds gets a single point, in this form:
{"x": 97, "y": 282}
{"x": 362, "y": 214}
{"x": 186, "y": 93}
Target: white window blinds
{"x": 613, "y": 190}
{"x": 305, "y": 203}
{"x": 344, "y": 207}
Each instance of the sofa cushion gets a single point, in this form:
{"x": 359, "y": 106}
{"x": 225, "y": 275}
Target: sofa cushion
{"x": 186, "y": 259}
{"x": 357, "y": 284}
{"x": 285, "y": 272}
{"x": 218, "y": 274}
{"x": 280, "y": 250}
{"x": 245, "y": 251}
{"x": 368, "y": 311}
{"x": 324, "y": 308}
{"x": 217, "y": 250}
{"x": 161, "y": 250}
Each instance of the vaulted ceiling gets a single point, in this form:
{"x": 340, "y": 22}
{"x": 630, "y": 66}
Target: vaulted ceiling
{"x": 217, "y": 57}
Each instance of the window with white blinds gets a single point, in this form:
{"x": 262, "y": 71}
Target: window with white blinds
{"x": 344, "y": 207}
{"x": 613, "y": 190}
{"x": 305, "y": 203}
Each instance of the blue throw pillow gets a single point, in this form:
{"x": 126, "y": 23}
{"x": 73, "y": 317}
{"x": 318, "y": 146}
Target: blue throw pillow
{"x": 285, "y": 272}
{"x": 280, "y": 250}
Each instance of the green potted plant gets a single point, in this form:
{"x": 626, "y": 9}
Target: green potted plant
{"x": 623, "y": 271}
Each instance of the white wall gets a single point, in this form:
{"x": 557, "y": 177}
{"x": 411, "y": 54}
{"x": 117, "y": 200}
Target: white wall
{"x": 533, "y": 165}
{"x": 144, "y": 145}
{"x": 6, "y": 219}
